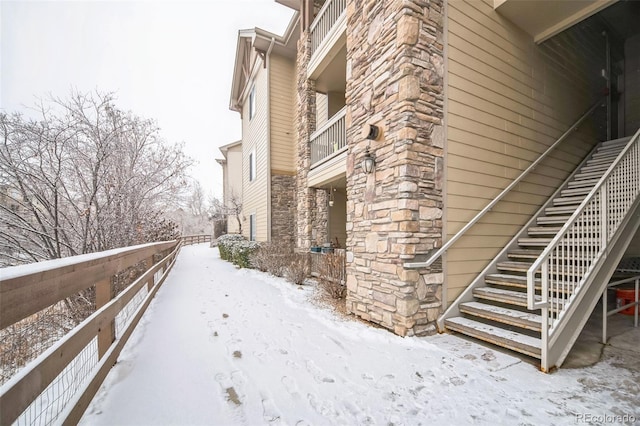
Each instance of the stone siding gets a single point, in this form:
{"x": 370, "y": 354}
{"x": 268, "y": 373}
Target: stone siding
{"x": 283, "y": 208}
{"x": 305, "y": 125}
{"x": 395, "y": 70}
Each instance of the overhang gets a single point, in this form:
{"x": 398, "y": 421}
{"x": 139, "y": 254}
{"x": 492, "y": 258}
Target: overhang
{"x": 259, "y": 41}
{"x": 543, "y": 19}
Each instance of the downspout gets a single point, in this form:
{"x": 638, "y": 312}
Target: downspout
{"x": 267, "y": 63}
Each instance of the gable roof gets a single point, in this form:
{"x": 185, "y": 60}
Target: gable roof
{"x": 261, "y": 42}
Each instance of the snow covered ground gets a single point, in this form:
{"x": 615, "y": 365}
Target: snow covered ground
{"x": 221, "y": 346}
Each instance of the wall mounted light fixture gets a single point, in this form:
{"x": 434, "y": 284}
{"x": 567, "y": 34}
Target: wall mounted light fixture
{"x": 331, "y": 201}
{"x": 374, "y": 132}
{"x": 368, "y": 162}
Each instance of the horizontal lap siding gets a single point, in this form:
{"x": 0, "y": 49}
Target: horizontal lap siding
{"x": 254, "y": 136}
{"x": 508, "y": 100}
{"x": 283, "y": 111}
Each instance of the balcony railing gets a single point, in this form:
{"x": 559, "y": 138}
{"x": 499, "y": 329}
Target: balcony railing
{"x": 323, "y": 268}
{"x": 325, "y": 20}
{"x": 330, "y": 138}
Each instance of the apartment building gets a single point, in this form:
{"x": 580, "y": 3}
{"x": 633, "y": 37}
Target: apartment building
{"x": 416, "y": 120}
{"x": 263, "y": 92}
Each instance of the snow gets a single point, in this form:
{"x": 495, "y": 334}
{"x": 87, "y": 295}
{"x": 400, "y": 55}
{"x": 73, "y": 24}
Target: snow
{"x": 12, "y": 272}
{"x": 222, "y": 346}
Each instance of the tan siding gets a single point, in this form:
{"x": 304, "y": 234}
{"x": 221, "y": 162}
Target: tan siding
{"x": 254, "y": 137}
{"x": 322, "y": 109}
{"x": 508, "y": 100}
{"x": 282, "y": 98}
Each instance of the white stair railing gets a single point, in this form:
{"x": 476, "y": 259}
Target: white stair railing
{"x": 571, "y": 257}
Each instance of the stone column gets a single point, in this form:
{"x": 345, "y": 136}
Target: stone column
{"x": 305, "y": 125}
{"x": 395, "y": 81}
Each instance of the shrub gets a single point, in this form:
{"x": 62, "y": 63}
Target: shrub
{"x": 272, "y": 258}
{"x": 298, "y": 268}
{"x": 332, "y": 275}
{"x": 236, "y": 249}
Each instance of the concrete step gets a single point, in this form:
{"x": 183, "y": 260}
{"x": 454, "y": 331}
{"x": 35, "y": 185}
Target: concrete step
{"x": 498, "y": 336}
{"x": 523, "y": 319}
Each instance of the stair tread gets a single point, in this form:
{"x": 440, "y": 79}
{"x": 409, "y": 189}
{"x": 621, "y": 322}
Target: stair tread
{"x": 525, "y": 319}
{"x": 582, "y": 183}
{"x": 509, "y": 339}
{"x": 530, "y": 241}
{"x": 573, "y": 200}
{"x": 554, "y": 219}
{"x": 509, "y": 278}
{"x": 526, "y": 253}
{"x": 546, "y": 230}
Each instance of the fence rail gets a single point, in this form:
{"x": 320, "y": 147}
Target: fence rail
{"x": 326, "y": 18}
{"x": 187, "y": 240}
{"x": 59, "y": 384}
{"x": 321, "y": 269}
{"x": 330, "y": 138}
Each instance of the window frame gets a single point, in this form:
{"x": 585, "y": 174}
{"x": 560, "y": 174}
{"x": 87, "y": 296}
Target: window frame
{"x": 252, "y": 227}
{"x": 252, "y": 102}
{"x": 252, "y": 165}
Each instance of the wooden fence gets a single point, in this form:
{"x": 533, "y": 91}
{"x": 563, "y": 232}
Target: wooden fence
{"x": 26, "y": 290}
{"x": 195, "y": 239}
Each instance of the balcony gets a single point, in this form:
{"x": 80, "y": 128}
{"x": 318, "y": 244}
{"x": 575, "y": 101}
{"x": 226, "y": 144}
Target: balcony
{"x": 328, "y": 38}
{"x": 329, "y": 139}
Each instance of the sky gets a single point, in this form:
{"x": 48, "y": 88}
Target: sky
{"x": 167, "y": 60}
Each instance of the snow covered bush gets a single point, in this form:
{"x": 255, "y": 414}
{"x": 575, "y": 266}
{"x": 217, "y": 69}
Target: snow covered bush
{"x": 236, "y": 249}
{"x": 224, "y": 245}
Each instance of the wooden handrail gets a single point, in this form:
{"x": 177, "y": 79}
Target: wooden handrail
{"x": 27, "y": 289}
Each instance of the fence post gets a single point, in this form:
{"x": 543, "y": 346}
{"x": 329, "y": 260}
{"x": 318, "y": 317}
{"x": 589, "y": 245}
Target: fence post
{"x": 107, "y": 334}
{"x": 152, "y": 278}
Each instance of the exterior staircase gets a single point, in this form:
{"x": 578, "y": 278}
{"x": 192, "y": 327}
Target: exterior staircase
{"x": 496, "y": 306}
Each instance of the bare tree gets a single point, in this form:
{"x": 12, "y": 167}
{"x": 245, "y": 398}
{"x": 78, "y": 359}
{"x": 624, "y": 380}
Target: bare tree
{"x": 232, "y": 208}
{"x": 83, "y": 177}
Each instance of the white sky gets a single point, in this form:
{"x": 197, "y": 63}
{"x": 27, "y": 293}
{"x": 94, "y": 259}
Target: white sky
{"x": 167, "y": 60}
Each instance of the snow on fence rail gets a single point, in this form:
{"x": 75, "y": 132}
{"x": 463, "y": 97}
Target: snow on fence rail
{"x": 195, "y": 239}
{"x": 59, "y": 384}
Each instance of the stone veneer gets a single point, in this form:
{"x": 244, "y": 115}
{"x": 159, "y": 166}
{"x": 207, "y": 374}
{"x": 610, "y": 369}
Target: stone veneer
{"x": 395, "y": 80}
{"x": 305, "y": 125}
{"x": 283, "y": 208}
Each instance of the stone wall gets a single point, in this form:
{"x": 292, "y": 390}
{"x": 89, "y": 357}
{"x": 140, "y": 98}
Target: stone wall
{"x": 283, "y": 208}
{"x": 320, "y": 218}
{"x": 305, "y": 125}
{"x": 395, "y": 80}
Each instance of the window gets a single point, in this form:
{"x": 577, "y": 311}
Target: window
{"x": 252, "y": 102}
{"x": 252, "y": 166}
{"x": 252, "y": 227}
